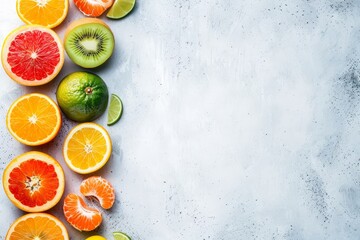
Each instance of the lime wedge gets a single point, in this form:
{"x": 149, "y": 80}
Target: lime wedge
{"x": 120, "y": 9}
{"x": 115, "y": 109}
{"x": 120, "y": 236}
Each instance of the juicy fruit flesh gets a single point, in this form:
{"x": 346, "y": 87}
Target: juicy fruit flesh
{"x": 89, "y": 45}
{"x": 120, "y": 9}
{"x": 87, "y": 148}
{"x": 99, "y": 188}
{"x": 93, "y": 8}
{"x": 82, "y": 96}
{"x": 115, "y": 110}
{"x": 33, "y": 55}
{"x": 49, "y": 13}
{"x": 34, "y": 183}
{"x": 37, "y": 228}
{"x": 79, "y": 215}
{"x": 34, "y": 115}
{"x": 90, "y": 144}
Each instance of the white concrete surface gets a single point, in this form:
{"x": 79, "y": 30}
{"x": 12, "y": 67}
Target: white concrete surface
{"x": 241, "y": 120}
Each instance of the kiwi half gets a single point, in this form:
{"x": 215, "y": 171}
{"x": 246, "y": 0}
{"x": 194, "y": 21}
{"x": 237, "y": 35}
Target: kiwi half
{"x": 89, "y": 42}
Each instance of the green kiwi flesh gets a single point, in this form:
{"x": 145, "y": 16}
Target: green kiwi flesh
{"x": 89, "y": 45}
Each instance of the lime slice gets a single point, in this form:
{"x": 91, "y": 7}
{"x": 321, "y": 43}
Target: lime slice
{"x": 115, "y": 110}
{"x": 120, "y": 236}
{"x": 120, "y": 9}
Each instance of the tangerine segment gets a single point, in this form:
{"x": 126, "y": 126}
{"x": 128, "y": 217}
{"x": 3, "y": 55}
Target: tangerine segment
{"x": 34, "y": 181}
{"x": 79, "y": 215}
{"x": 87, "y": 148}
{"x": 93, "y": 8}
{"x": 32, "y": 55}
{"x": 99, "y": 188}
{"x": 40, "y": 226}
{"x": 49, "y": 13}
{"x": 34, "y": 119}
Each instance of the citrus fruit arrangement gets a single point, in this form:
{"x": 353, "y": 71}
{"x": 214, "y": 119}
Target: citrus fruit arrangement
{"x": 33, "y": 55}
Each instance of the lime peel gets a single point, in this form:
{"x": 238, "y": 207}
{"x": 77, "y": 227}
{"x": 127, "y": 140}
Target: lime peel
{"x": 120, "y": 9}
{"x": 120, "y": 236}
{"x": 115, "y": 110}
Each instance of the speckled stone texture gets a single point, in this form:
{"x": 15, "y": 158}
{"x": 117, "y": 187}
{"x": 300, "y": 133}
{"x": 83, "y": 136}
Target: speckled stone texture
{"x": 241, "y": 120}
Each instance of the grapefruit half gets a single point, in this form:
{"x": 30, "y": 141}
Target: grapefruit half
{"x": 32, "y": 55}
{"x": 34, "y": 181}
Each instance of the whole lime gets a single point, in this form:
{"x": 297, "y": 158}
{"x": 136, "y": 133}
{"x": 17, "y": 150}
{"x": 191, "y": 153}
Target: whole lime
{"x": 82, "y": 96}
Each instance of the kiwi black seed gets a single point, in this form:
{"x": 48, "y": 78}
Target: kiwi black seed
{"x": 89, "y": 44}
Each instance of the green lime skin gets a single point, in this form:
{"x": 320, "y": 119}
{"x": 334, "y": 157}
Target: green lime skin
{"x": 82, "y": 96}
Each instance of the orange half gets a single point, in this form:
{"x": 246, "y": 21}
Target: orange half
{"x": 40, "y": 226}
{"x": 87, "y": 148}
{"x": 48, "y": 13}
{"x": 34, "y": 181}
{"x": 34, "y": 119}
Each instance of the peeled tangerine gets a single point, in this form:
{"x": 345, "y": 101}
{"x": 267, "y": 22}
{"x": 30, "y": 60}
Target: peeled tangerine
{"x": 81, "y": 216}
{"x": 93, "y": 8}
{"x": 100, "y": 189}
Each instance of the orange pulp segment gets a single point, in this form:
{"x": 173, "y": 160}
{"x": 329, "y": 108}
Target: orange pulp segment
{"x": 79, "y": 215}
{"x": 93, "y": 8}
{"x": 99, "y": 188}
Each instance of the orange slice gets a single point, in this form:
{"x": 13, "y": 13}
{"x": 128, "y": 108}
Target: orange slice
{"x": 34, "y": 181}
{"x": 34, "y": 119}
{"x": 39, "y": 226}
{"x": 87, "y": 148}
{"x": 32, "y": 55}
{"x": 49, "y": 13}
{"x": 79, "y": 215}
{"x": 93, "y": 8}
{"x": 100, "y": 189}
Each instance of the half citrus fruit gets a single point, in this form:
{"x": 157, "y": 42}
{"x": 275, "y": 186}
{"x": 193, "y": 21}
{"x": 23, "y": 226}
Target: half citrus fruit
{"x": 79, "y": 215}
{"x": 115, "y": 110}
{"x": 34, "y": 119}
{"x": 49, "y": 13}
{"x": 120, "y": 9}
{"x": 87, "y": 148}
{"x": 34, "y": 181}
{"x": 32, "y": 55}
{"x": 39, "y": 226}
{"x": 99, "y": 188}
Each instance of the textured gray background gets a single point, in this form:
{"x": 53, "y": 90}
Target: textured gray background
{"x": 241, "y": 120}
